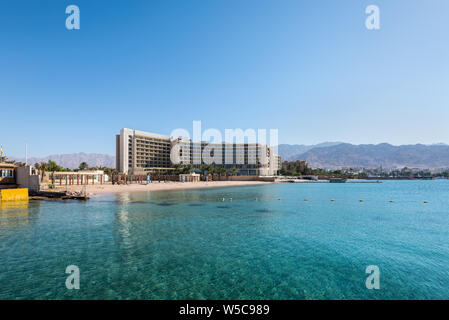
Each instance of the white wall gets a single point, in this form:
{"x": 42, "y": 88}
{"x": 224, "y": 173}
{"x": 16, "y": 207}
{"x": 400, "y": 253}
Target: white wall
{"x": 25, "y": 179}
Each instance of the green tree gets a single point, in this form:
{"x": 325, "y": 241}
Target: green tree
{"x": 178, "y": 168}
{"x": 83, "y": 166}
{"x": 221, "y": 171}
{"x": 203, "y": 169}
{"x": 42, "y": 167}
{"x": 211, "y": 169}
{"x": 187, "y": 169}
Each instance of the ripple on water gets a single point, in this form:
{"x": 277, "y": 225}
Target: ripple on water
{"x": 263, "y": 210}
{"x": 198, "y": 248}
{"x": 165, "y": 204}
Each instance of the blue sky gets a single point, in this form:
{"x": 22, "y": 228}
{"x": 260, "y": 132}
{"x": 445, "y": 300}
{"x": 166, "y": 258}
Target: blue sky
{"x": 309, "y": 68}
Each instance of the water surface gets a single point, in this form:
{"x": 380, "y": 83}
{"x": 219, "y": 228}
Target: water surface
{"x": 192, "y": 245}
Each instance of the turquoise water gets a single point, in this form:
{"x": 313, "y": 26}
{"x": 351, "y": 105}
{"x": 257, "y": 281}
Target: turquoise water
{"x": 191, "y": 245}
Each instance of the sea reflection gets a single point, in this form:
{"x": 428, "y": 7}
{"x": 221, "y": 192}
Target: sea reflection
{"x": 265, "y": 243}
{"x": 13, "y": 213}
{"x": 134, "y": 211}
{"x": 122, "y": 214}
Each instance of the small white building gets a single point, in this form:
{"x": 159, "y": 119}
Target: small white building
{"x": 189, "y": 177}
{"x": 78, "y": 177}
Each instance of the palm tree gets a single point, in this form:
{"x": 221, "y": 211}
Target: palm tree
{"x": 187, "y": 169}
{"x": 203, "y": 169}
{"x": 109, "y": 171}
{"x": 234, "y": 171}
{"x": 211, "y": 169}
{"x": 222, "y": 171}
{"x": 42, "y": 167}
{"x": 178, "y": 168}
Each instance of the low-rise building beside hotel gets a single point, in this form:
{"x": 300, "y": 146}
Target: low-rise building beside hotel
{"x": 23, "y": 176}
{"x": 7, "y": 174}
{"x": 76, "y": 177}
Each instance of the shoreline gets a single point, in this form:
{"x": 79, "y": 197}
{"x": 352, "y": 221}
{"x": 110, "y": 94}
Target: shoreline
{"x": 158, "y": 186}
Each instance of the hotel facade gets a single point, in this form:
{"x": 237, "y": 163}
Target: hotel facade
{"x": 140, "y": 152}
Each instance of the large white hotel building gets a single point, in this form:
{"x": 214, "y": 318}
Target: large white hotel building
{"x": 139, "y": 152}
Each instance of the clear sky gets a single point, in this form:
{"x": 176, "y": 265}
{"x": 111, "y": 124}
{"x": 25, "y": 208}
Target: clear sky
{"x": 309, "y": 68}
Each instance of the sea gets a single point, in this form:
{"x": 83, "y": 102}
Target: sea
{"x": 351, "y": 240}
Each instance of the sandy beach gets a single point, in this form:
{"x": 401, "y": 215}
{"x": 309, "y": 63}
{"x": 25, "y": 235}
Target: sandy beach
{"x": 156, "y": 186}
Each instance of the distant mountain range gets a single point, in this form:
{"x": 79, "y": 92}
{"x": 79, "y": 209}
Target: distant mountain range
{"x": 329, "y": 155}
{"x": 293, "y": 151}
{"x": 373, "y": 156}
{"x": 72, "y": 161}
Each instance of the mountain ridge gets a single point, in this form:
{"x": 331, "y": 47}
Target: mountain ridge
{"x": 287, "y": 151}
{"x": 73, "y": 160}
{"x": 377, "y": 155}
{"x": 326, "y": 155}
